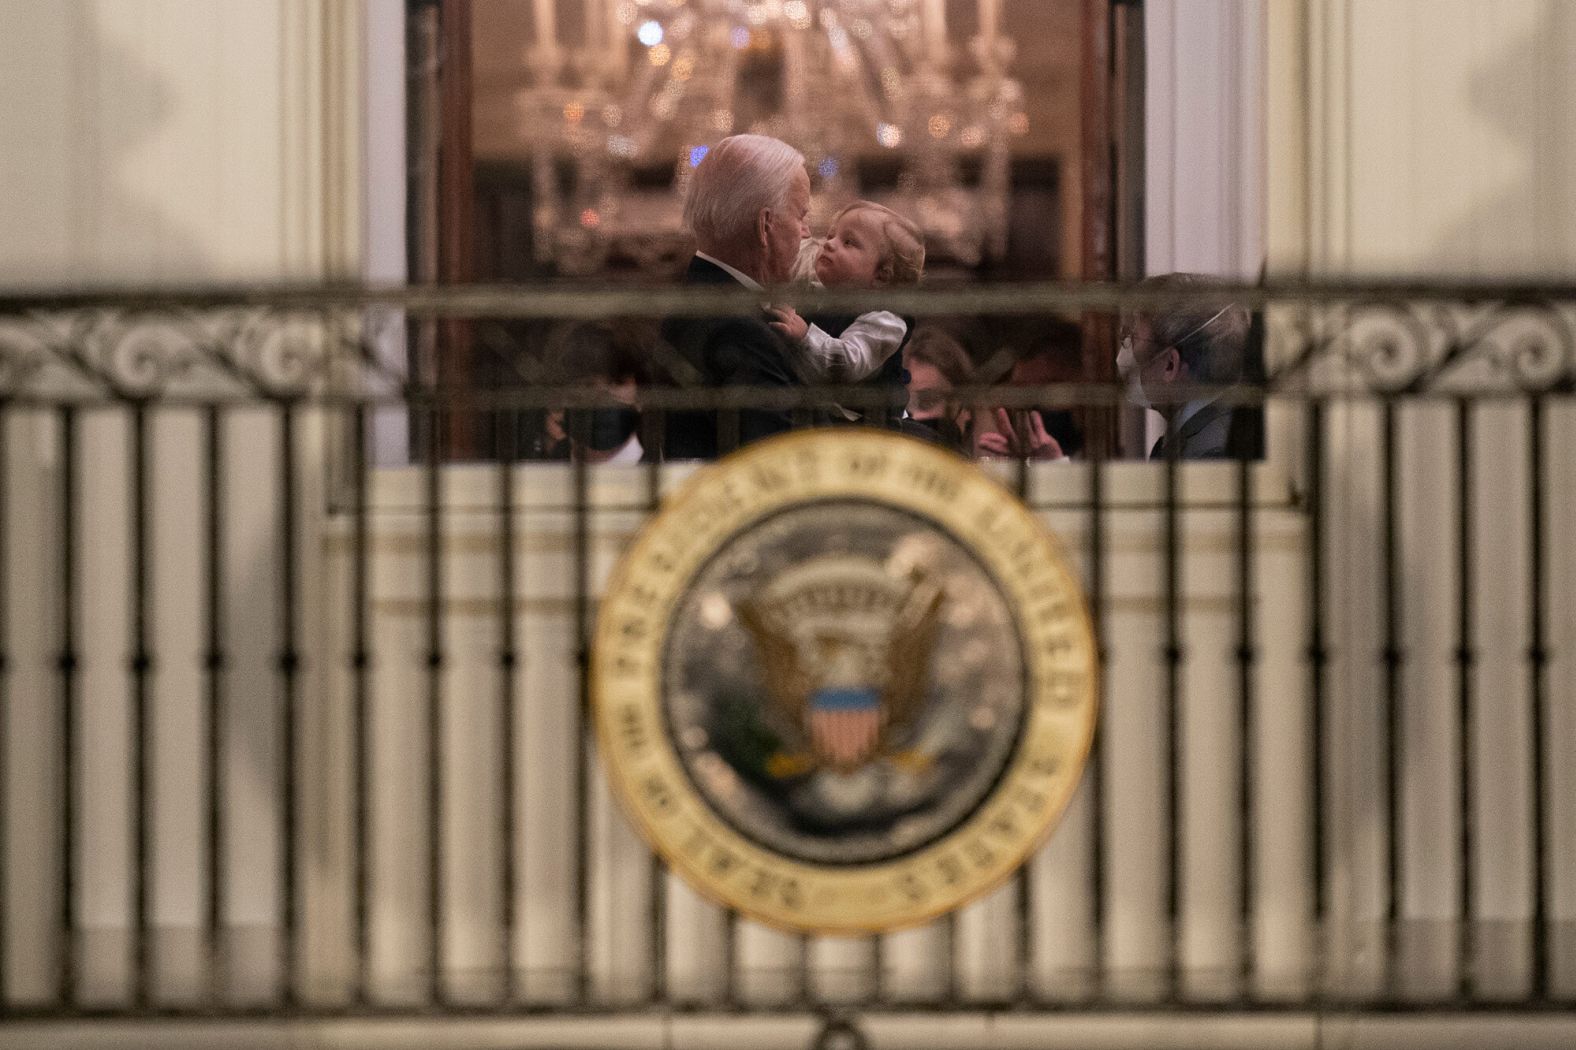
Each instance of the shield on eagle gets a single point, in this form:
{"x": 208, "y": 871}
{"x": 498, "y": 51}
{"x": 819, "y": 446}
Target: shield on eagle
{"x": 845, "y": 651}
{"x": 845, "y": 725}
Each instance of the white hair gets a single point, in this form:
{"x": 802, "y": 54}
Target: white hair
{"x": 737, "y": 178}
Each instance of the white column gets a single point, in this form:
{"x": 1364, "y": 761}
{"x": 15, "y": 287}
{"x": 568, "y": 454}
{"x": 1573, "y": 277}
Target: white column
{"x": 169, "y": 142}
{"x": 1433, "y": 138}
{"x": 1204, "y": 140}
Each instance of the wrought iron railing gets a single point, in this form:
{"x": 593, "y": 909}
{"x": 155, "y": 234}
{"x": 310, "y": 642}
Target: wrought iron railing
{"x": 241, "y": 728}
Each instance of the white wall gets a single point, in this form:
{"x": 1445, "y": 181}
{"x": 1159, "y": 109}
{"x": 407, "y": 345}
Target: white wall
{"x": 149, "y": 142}
{"x": 1434, "y": 137}
{"x": 1423, "y": 137}
{"x": 161, "y": 143}
{"x": 1380, "y": 137}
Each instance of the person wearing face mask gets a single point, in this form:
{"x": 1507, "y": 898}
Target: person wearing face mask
{"x": 936, "y": 364}
{"x": 609, "y": 360}
{"x": 1179, "y": 360}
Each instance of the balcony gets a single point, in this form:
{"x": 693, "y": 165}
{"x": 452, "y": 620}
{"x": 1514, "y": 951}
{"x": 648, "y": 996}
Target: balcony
{"x": 296, "y": 746}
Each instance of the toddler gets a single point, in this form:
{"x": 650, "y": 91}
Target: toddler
{"x": 867, "y": 246}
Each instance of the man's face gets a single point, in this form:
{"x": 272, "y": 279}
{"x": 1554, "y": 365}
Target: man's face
{"x": 1146, "y": 366}
{"x": 785, "y": 230}
{"x": 1140, "y": 353}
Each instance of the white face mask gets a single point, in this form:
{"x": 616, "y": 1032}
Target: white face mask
{"x": 1127, "y": 368}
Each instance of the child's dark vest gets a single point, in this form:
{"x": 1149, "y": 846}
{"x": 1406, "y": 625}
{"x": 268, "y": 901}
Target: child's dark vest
{"x": 891, "y": 378}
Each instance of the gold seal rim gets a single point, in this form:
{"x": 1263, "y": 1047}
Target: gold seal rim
{"x": 819, "y": 883}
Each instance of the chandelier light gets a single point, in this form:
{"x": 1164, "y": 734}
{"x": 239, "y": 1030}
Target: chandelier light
{"x": 864, "y": 88}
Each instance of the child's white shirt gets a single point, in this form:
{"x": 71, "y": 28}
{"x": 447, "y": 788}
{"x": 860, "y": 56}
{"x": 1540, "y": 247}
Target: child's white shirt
{"x": 859, "y": 351}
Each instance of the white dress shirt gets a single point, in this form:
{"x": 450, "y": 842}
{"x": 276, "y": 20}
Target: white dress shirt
{"x": 739, "y": 275}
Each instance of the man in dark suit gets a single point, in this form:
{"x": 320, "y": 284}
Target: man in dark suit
{"x": 746, "y": 206}
{"x": 1179, "y": 360}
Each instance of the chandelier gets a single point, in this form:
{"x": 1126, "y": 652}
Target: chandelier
{"x": 871, "y": 91}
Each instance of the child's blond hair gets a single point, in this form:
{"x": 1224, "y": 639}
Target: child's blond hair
{"x": 903, "y": 255}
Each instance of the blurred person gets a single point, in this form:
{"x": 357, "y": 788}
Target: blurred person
{"x": 1016, "y": 434}
{"x": 937, "y": 364}
{"x": 1180, "y": 359}
{"x": 746, "y": 207}
{"x": 1044, "y": 431}
{"x": 608, "y": 358}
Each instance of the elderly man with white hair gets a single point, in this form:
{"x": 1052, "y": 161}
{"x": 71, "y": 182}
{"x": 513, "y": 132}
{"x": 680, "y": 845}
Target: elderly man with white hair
{"x": 747, "y": 203}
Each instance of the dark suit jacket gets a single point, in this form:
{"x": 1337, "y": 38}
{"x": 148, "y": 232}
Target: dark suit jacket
{"x": 725, "y": 351}
{"x": 1204, "y": 435}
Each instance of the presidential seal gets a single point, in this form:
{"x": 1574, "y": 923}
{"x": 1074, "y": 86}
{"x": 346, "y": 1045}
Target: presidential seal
{"x": 844, "y": 681}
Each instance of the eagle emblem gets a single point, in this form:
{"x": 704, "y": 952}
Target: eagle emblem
{"x": 845, "y": 651}
{"x": 843, "y": 681}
